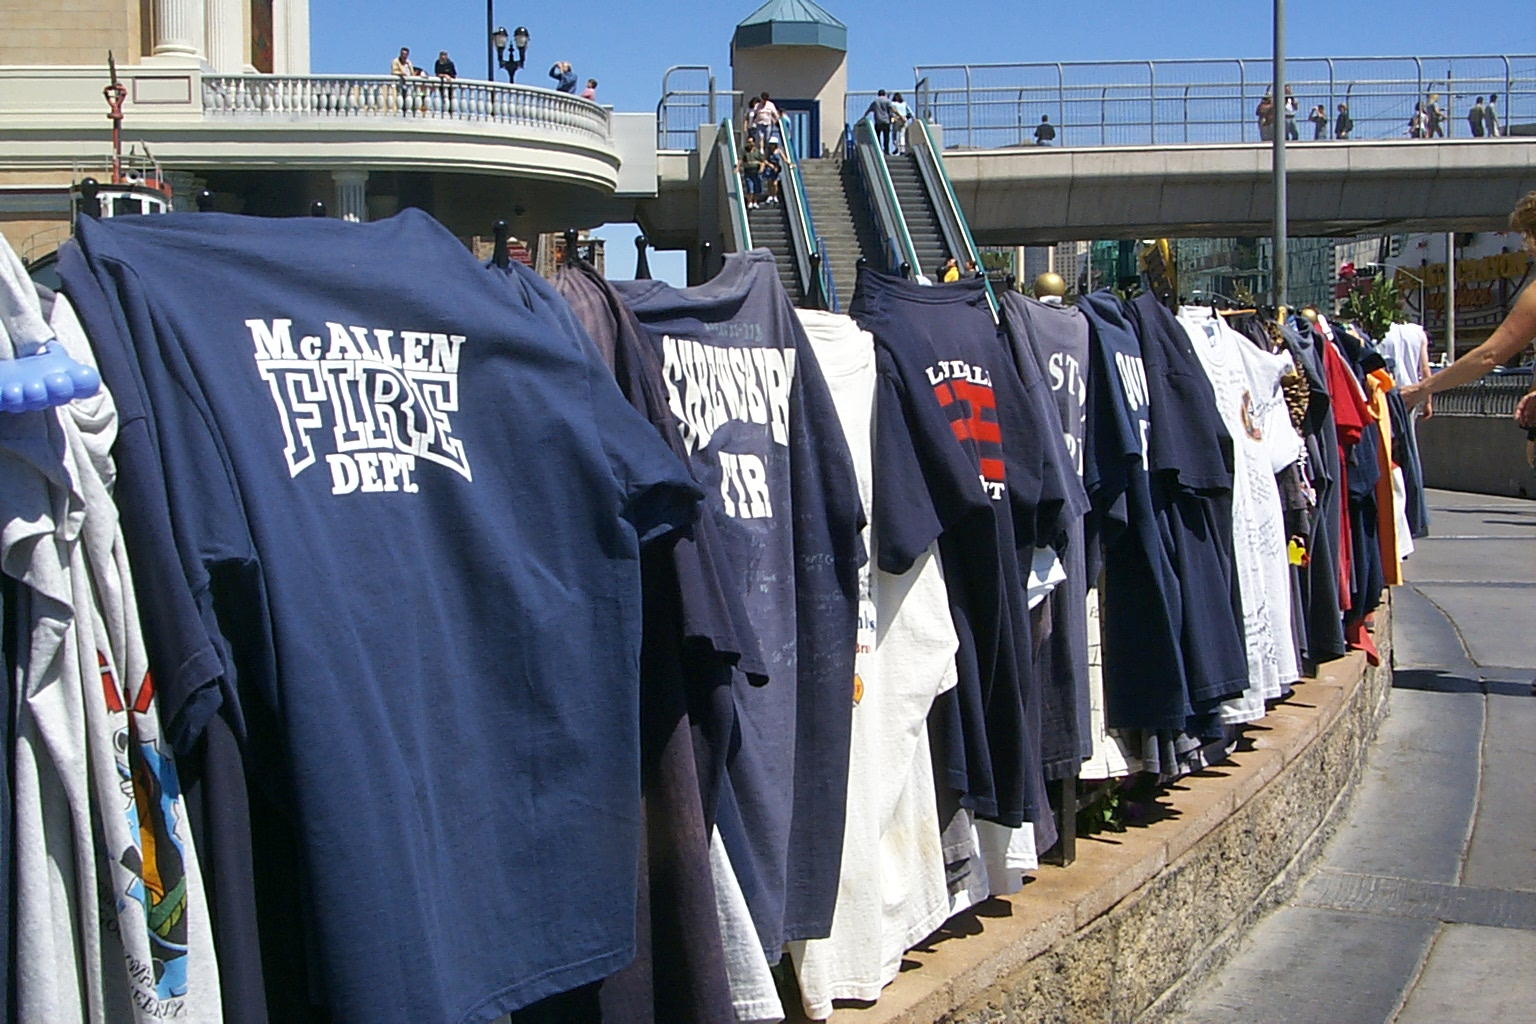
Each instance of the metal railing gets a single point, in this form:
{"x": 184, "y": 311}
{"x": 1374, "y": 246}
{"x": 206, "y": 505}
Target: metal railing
{"x": 1491, "y": 396}
{"x": 1162, "y": 102}
{"x": 957, "y": 233}
{"x": 810, "y": 254}
{"x": 732, "y": 190}
{"x": 391, "y": 97}
{"x": 900, "y": 254}
{"x": 681, "y": 111}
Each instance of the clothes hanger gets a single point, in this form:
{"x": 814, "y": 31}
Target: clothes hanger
{"x": 49, "y": 377}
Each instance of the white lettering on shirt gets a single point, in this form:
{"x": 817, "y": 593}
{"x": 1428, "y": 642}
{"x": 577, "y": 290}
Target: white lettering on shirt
{"x": 387, "y": 396}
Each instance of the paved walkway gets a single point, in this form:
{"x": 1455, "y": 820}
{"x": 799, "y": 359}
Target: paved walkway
{"x": 1423, "y": 907}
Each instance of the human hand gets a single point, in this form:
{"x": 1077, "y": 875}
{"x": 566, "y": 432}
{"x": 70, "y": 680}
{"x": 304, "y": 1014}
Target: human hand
{"x": 1525, "y": 412}
{"x": 1415, "y": 395}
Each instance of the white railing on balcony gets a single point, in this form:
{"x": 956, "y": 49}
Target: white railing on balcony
{"x": 389, "y": 97}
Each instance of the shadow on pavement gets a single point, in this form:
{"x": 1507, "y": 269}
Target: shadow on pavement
{"x": 1437, "y": 681}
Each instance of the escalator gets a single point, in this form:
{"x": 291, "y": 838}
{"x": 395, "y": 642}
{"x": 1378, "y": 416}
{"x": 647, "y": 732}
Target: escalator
{"x": 922, "y": 217}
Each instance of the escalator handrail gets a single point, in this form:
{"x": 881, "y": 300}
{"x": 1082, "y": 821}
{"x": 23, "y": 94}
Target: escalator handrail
{"x": 730, "y": 168}
{"x": 882, "y": 197}
{"x": 814, "y": 282}
{"x": 957, "y": 233}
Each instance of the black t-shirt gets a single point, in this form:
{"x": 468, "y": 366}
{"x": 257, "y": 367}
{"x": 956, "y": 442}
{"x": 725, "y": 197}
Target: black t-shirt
{"x": 763, "y": 440}
{"x": 954, "y": 461}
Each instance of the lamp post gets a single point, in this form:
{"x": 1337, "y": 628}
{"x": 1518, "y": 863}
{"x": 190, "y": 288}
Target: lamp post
{"x": 511, "y": 62}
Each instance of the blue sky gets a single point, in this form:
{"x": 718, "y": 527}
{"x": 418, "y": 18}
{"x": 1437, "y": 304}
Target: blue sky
{"x": 627, "y": 46}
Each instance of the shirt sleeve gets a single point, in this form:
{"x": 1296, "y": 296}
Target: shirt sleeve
{"x": 179, "y": 516}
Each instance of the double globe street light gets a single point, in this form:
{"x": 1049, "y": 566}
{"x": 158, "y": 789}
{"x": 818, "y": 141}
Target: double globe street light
{"x": 511, "y": 62}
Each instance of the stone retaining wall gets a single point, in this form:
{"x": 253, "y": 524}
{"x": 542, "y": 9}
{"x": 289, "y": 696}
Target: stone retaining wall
{"x": 1143, "y": 916}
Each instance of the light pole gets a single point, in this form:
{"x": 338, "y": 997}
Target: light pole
{"x": 512, "y": 62}
{"x": 1278, "y": 271}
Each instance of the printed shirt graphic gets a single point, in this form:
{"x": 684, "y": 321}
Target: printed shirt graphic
{"x": 386, "y": 398}
{"x": 417, "y": 615}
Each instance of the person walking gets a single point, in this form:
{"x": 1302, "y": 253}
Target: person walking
{"x": 900, "y": 115}
{"x": 1319, "y": 119}
{"x": 773, "y": 169}
{"x": 1491, "y": 116}
{"x": 1265, "y": 114}
{"x": 565, "y": 78}
{"x": 1417, "y": 122}
{"x": 880, "y": 111}
{"x": 751, "y": 167}
{"x": 1343, "y": 124}
{"x": 1507, "y": 341}
{"x": 1045, "y": 134}
{"x": 1291, "y": 134}
{"x": 1435, "y": 118}
{"x": 1475, "y": 118}
{"x": 765, "y": 121}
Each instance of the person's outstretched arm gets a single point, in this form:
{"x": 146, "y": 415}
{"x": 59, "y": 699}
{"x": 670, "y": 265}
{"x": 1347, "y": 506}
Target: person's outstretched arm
{"x": 1516, "y": 332}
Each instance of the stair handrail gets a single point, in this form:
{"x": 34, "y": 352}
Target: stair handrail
{"x": 901, "y": 254}
{"x": 810, "y": 257}
{"x": 957, "y": 233}
{"x": 730, "y": 168}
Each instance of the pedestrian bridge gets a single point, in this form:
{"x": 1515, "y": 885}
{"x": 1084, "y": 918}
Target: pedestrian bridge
{"x": 1037, "y": 195}
{"x": 1171, "y": 148}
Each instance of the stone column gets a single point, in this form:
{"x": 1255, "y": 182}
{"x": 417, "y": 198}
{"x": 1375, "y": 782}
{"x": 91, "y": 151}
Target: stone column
{"x": 351, "y": 195}
{"x": 225, "y": 36}
{"x": 290, "y": 35}
{"x": 178, "y": 30}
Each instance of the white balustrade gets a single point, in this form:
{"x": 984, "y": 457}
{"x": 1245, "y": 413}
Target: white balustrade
{"x": 320, "y": 97}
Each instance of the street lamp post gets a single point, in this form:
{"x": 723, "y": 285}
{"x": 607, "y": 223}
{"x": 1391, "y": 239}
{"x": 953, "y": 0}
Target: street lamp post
{"x": 511, "y": 62}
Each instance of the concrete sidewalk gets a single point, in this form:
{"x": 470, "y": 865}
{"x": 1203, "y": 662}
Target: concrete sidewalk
{"x": 1423, "y": 906}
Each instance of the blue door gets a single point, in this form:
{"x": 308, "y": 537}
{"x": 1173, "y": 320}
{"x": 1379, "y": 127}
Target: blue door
{"x": 804, "y": 120}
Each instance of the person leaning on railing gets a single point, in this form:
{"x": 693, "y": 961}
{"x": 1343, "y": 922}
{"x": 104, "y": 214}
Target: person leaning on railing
{"x": 1513, "y": 335}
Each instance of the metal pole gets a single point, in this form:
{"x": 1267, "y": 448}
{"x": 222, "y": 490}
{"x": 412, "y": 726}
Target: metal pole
{"x": 490, "y": 51}
{"x": 1280, "y": 255}
{"x": 1450, "y": 296}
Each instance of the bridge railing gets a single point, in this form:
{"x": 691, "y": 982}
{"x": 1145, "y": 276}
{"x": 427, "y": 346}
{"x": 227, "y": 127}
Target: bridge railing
{"x": 1165, "y": 102}
{"x": 1491, "y": 396}
{"x": 339, "y": 97}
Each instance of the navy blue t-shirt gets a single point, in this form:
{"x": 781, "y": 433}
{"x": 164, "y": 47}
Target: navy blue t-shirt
{"x": 954, "y": 461}
{"x": 1050, "y": 345}
{"x": 763, "y": 439}
{"x": 431, "y": 505}
{"x": 1191, "y": 474}
{"x": 1144, "y": 676}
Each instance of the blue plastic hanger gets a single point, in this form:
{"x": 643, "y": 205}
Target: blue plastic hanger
{"x": 44, "y": 379}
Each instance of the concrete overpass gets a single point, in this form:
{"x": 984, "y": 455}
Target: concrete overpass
{"x": 1036, "y": 195}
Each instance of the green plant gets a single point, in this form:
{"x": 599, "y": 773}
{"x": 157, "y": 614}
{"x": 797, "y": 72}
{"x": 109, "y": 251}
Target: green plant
{"x": 1373, "y": 308}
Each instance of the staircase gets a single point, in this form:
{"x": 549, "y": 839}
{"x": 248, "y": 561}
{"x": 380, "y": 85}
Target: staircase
{"x": 770, "y": 230}
{"x": 922, "y": 220}
{"x": 843, "y": 220}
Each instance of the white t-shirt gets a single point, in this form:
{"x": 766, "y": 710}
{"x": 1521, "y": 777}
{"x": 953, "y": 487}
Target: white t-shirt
{"x": 891, "y": 893}
{"x": 1246, "y": 381}
{"x": 1404, "y": 344}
